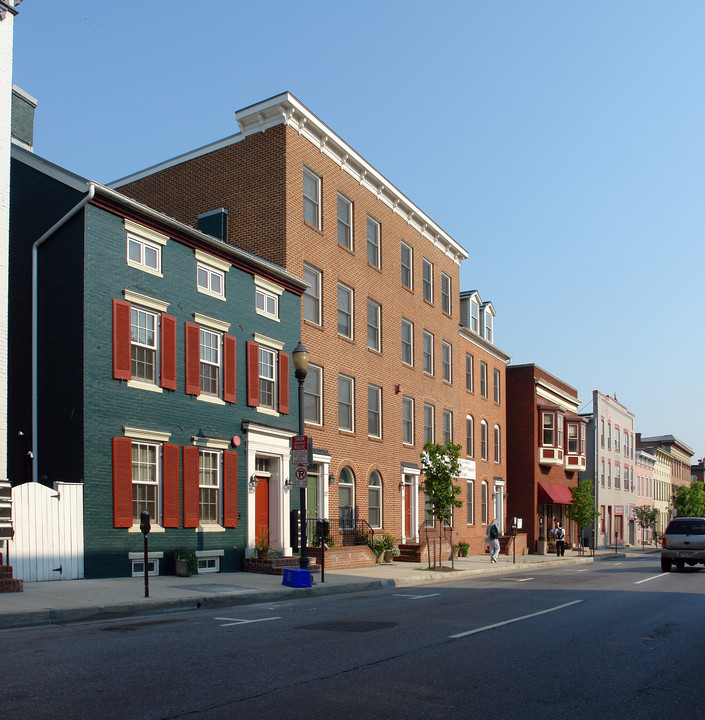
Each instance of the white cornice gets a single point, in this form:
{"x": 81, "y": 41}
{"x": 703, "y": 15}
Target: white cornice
{"x": 553, "y": 394}
{"x": 286, "y": 109}
{"x": 479, "y": 341}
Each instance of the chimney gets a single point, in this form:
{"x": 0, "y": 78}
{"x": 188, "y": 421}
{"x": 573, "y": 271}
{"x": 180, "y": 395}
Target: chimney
{"x": 23, "y": 107}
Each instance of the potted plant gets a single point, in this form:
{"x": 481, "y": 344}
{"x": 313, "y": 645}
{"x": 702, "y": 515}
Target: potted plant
{"x": 464, "y": 549}
{"x": 185, "y": 561}
{"x": 456, "y": 550}
{"x": 376, "y": 544}
{"x": 389, "y": 547}
{"x": 262, "y": 547}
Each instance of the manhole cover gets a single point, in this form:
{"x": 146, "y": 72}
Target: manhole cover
{"x": 349, "y": 626}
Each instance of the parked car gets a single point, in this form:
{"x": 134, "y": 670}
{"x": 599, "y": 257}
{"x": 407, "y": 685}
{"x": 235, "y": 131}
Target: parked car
{"x": 683, "y": 542}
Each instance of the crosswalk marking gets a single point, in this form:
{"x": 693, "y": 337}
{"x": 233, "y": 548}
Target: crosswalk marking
{"x": 238, "y": 621}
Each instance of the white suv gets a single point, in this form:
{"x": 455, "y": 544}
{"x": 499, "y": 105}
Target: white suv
{"x": 683, "y": 542}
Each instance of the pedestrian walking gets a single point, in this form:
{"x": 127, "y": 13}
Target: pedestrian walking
{"x": 493, "y": 540}
{"x": 559, "y": 536}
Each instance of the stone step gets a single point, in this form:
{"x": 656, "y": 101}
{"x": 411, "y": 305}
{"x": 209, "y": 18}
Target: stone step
{"x": 10, "y": 585}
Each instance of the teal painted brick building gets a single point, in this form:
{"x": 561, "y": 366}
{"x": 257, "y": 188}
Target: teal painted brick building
{"x": 162, "y": 382}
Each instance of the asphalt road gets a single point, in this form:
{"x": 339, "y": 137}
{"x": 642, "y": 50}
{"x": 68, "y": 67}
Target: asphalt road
{"x": 610, "y": 639}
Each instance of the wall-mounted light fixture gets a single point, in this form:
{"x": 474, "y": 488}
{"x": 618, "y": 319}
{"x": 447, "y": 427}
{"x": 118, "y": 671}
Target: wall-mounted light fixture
{"x": 253, "y": 483}
{"x": 331, "y": 479}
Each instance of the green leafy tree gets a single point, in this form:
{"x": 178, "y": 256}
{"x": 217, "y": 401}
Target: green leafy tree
{"x": 582, "y": 510}
{"x": 690, "y": 501}
{"x": 646, "y": 519}
{"x": 440, "y": 468}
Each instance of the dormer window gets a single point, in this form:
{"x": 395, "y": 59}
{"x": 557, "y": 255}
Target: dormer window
{"x": 474, "y": 316}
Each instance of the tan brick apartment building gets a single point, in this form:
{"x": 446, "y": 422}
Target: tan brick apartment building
{"x": 389, "y": 363}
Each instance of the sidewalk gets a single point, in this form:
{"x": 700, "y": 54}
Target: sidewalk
{"x": 57, "y": 602}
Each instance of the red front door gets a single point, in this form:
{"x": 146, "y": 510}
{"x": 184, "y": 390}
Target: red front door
{"x": 262, "y": 510}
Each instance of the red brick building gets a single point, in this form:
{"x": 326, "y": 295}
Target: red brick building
{"x": 389, "y": 366}
{"x": 546, "y": 450}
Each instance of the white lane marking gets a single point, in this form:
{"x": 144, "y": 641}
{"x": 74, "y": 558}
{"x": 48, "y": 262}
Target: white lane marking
{"x": 236, "y": 621}
{"x": 417, "y": 597}
{"x": 584, "y": 570}
{"x": 619, "y": 563}
{"x": 653, "y": 577}
{"x": 513, "y": 620}
{"x": 523, "y": 579}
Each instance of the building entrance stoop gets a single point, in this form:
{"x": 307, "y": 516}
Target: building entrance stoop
{"x": 8, "y": 584}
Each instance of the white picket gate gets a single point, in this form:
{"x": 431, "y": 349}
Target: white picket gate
{"x": 48, "y": 540}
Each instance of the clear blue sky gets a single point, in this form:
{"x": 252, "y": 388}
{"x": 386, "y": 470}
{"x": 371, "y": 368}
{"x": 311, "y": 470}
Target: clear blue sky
{"x": 561, "y": 143}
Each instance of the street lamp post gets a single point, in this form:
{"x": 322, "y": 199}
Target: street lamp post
{"x": 300, "y": 357}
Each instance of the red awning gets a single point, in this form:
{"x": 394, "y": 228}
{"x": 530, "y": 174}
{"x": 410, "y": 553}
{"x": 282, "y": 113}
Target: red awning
{"x": 552, "y": 493}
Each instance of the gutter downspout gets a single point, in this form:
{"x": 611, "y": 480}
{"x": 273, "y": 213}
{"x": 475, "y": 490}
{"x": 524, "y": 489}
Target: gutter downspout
{"x": 35, "y": 302}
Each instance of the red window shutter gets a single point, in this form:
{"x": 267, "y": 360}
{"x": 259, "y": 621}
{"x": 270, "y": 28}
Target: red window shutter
{"x": 283, "y": 383}
{"x": 170, "y": 484}
{"x": 253, "y": 374}
{"x": 168, "y": 352}
{"x": 229, "y": 368}
{"x": 230, "y": 489}
{"x": 122, "y": 482}
{"x": 191, "y": 515}
{"x": 122, "y": 343}
{"x": 193, "y": 358}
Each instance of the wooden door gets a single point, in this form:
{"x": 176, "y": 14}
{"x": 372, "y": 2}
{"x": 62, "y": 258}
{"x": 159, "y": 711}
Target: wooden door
{"x": 262, "y": 510}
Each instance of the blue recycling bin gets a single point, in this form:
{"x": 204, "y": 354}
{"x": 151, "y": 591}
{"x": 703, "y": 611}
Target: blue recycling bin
{"x": 295, "y": 577}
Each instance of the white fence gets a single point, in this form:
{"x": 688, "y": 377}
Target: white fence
{"x": 48, "y": 541}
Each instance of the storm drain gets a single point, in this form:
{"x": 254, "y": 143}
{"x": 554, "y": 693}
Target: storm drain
{"x": 360, "y": 626}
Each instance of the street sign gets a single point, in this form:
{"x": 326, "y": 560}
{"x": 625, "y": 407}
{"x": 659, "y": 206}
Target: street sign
{"x": 300, "y": 477}
{"x": 301, "y": 450}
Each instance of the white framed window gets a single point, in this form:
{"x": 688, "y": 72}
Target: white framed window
{"x": 346, "y": 499}
{"x": 374, "y": 411}
{"x": 346, "y": 403}
{"x": 208, "y": 564}
{"x": 602, "y": 472}
{"x": 345, "y": 220}
{"x": 470, "y": 503}
{"x": 267, "y": 378}
{"x": 373, "y": 233}
{"x": 447, "y": 426}
{"x": 616, "y": 438}
{"x": 312, "y": 198}
{"x": 429, "y": 432}
{"x": 497, "y": 444}
{"x": 312, "y": 294}
{"x": 447, "y": 361}
{"x": 374, "y": 325}
{"x": 145, "y": 481}
{"x": 445, "y": 294}
{"x": 483, "y": 440}
{"x": 427, "y": 280}
{"x": 144, "y": 332}
{"x": 211, "y": 356}
{"x": 209, "y": 486}
{"x": 407, "y": 266}
{"x": 483, "y": 378}
{"x": 212, "y": 281}
{"x": 497, "y": 386}
{"x": 427, "y": 352}
{"x": 210, "y": 274}
{"x": 489, "y": 325}
{"x": 345, "y": 311}
{"x": 407, "y": 420}
{"x": 375, "y": 500}
{"x": 407, "y": 342}
{"x": 602, "y": 433}
{"x": 469, "y": 371}
{"x": 266, "y": 303}
{"x": 470, "y": 435}
{"x": 484, "y": 499}
{"x": 313, "y": 395}
{"x": 475, "y": 316}
{"x": 144, "y": 247}
{"x": 138, "y": 567}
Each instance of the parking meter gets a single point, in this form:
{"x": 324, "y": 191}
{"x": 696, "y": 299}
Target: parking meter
{"x": 322, "y": 530}
{"x": 145, "y": 527}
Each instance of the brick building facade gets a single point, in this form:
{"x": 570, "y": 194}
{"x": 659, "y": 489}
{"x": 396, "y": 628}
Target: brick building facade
{"x": 546, "y": 450}
{"x": 389, "y": 366}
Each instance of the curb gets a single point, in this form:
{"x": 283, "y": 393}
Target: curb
{"x": 98, "y": 613}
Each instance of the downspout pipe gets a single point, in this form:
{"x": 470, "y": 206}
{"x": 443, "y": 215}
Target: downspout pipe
{"x": 35, "y": 333}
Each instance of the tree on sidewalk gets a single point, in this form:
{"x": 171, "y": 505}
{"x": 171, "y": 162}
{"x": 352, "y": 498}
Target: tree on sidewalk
{"x": 440, "y": 467}
{"x": 646, "y": 519}
{"x": 582, "y": 510}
